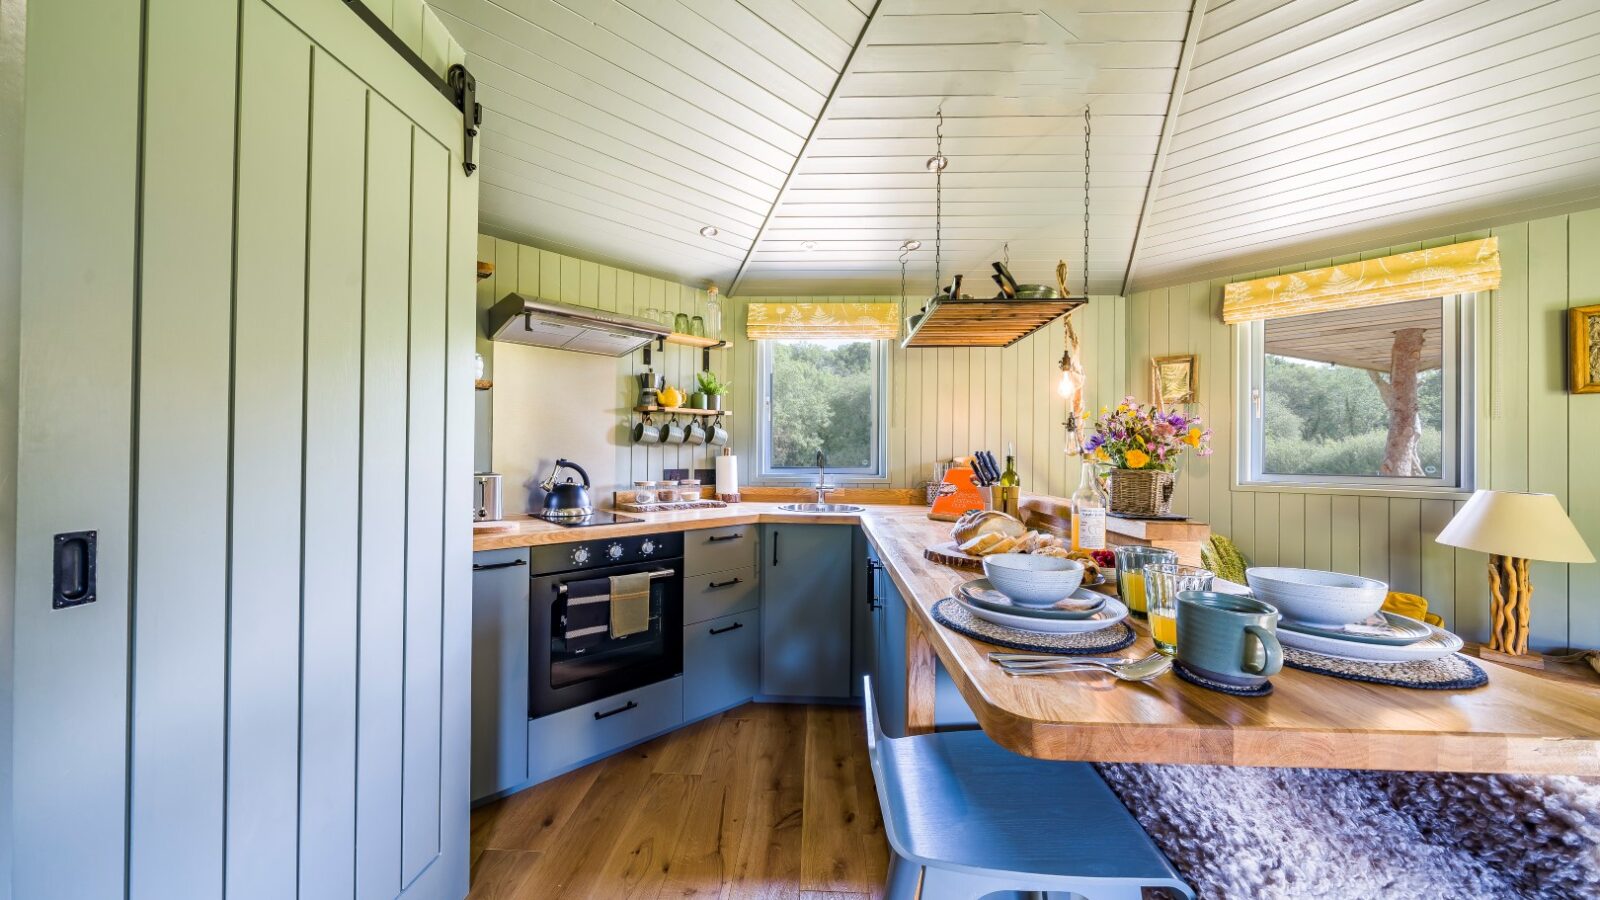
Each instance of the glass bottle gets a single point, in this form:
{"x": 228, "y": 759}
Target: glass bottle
{"x": 713, "y": 317}
{"x": 1089, "y": 512}
{"x": 1011, "y": 485}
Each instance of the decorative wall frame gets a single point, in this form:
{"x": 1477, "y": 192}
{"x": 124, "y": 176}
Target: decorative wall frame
{"x": 1175, "y": 380}
{"x": 1583, "y": 354}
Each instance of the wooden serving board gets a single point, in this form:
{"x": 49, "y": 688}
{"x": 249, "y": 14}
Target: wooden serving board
{"x": 951, "y": 555}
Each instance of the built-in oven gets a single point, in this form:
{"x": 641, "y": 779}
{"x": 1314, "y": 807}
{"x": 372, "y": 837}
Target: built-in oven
{"x": 574, "y": 656}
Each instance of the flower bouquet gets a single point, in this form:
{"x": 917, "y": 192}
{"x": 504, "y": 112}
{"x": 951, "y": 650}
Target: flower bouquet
{"x": 1143, "y": 445}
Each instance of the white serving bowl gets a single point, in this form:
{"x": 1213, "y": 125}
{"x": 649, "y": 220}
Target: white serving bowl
{"x": 1031, "y": 580}
{"x": 1316, "y": 597}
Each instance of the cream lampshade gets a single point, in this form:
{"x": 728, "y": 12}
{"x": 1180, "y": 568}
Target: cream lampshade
{"x": 1513, "y": 528}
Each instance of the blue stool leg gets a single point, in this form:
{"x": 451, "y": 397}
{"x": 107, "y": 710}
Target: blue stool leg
{"x": 904, "y": 878}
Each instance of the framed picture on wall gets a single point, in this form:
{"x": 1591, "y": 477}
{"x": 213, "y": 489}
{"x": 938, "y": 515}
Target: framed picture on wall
{"x": 1583, "y": 336}
{"x": 1175, "y": 380}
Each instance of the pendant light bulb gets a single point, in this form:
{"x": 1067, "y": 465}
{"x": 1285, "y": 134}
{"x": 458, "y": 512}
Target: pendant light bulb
{"x": 1069, "y": 385}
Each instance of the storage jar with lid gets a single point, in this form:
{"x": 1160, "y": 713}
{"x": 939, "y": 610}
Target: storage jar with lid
{"x": 667, "y": 491}
{"x": 644, "y": 492}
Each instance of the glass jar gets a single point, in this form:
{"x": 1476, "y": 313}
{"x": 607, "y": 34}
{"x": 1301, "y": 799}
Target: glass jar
{"x": 667, "y": 491}
{"x": 680, "y": 323}
{"x": 697, "y": 326}
{"x": 644, "y": 492}
{"x": 713, "y": 318}
{"x": 689, "y": 489}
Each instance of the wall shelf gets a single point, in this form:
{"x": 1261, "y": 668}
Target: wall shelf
{"x": 681, "y": 411}
{"x": 690, "y": 340}
{"x": 990, "y": 322}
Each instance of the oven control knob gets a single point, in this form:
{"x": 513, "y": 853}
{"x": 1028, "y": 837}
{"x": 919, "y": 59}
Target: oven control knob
{"x": 648, "y": 547}
{"x": 614, "y": 551}
{"x": 580, "y": 556}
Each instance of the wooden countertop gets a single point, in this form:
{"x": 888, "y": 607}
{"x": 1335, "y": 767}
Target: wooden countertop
{"x": 1519, "y": 722}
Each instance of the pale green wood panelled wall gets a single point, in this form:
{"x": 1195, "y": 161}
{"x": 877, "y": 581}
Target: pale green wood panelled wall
{"x": 941, "y": 402}
{"x": 1532, "y": 435}
{"x": 12, "y": 30}
{"x": 267, "y": 417}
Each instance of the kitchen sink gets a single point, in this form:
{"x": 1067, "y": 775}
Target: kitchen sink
{"x": 821, "y": 507}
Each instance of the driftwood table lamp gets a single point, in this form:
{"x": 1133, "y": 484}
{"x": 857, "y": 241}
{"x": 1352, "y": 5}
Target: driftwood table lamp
{"x": 1514, "y": 528}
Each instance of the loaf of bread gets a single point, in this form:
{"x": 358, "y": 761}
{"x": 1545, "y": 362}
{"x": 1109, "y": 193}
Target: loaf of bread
{"x": 979, "y": 522}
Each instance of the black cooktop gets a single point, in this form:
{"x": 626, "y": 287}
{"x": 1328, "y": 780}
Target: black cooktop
{"x": 594, "y": 518}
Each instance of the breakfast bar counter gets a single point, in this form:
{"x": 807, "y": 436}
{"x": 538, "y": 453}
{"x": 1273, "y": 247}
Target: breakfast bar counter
{"x": 1518, "y": 722}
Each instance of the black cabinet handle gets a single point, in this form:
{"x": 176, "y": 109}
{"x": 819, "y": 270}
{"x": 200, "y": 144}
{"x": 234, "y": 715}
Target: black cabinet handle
{"x": 734, "y": 627}
{"x": 621, "y": 709}
{"x": 775, "y": 548}
{"x": 721, "y": 584}
{"x": 484, "y": 567}
{"x": 874, "y": 565}
{"x": 718, "y": 538}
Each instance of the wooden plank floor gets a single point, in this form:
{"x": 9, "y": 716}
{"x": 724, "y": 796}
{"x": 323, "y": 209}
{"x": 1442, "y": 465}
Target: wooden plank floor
{"x": 763, "y": 801}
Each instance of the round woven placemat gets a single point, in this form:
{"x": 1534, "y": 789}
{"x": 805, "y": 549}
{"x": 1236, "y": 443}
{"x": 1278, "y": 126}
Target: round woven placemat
{"x": 1195, "y": 678}
{"x": 1447, "y": 673}
{"x": 954, "y": 616}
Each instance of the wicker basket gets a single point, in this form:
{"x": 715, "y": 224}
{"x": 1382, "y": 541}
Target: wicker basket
{"x": 1142, "y": 492}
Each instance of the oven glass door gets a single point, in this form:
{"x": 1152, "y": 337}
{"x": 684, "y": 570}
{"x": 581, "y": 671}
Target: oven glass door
{"x": 575, "y": 660}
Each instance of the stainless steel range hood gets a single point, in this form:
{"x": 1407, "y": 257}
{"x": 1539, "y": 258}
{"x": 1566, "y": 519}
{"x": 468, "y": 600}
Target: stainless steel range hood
{"x": 518, "y": 319}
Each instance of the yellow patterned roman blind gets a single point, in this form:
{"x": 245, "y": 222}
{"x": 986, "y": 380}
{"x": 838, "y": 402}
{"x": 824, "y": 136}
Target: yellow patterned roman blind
{"x": 1417, "y": 275}
{"x": 822, "y": 321}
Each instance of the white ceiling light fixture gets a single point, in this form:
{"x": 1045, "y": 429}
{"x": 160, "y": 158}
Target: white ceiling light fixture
{"x": 709, "y": 231}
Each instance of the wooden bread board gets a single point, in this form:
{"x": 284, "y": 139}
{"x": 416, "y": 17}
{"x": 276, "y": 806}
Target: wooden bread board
{"x": 491, "y": 527}
{"x": 951, "y": 555}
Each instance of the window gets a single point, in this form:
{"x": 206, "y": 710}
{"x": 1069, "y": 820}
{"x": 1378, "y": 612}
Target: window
{"x": 822, "y": 396}
{"x": 1376, "y": 397}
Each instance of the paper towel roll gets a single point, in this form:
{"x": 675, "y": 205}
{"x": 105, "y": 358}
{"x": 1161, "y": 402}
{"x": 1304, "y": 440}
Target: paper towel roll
{"x": 727, "y": 474}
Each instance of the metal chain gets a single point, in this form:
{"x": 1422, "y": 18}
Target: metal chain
{"x": 938, "y": 200}
{"x": 904, "y": 252}
{"x": 1087, "y": 131}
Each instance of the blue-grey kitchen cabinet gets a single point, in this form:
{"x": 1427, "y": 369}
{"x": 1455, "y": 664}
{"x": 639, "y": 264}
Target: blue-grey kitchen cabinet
{"x": 721, "y": 663}
{"x": 888, "y": 663}
{"x": 805, "y": 611}
{"x": 499, "y": 670}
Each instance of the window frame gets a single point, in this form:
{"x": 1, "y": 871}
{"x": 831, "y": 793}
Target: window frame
{"x": 877, "y": 471}
{"x": 1461, "y": 375}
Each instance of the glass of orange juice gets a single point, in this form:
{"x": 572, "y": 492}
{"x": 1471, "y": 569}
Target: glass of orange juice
{"x": 1163, "y": 582}
{"x": 1131, "y": 560}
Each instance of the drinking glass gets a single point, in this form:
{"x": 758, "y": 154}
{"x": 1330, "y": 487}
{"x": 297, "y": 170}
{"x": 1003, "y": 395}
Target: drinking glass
{"x": 680, "y": 323}
{"x": 697, "y": 326}
{"x": 1131, "y": 560}
{"x": 1163, "y": 582}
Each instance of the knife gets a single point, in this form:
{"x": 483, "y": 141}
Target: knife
{"x": 981, "y": 466}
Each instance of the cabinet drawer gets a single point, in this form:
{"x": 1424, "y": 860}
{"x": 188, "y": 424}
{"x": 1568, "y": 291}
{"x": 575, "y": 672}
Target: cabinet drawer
{"x": 719, "y": 594}
{"x": 719, "y": 549}
{"x": 560, "y": 741}
{"x": 721, "y": 663}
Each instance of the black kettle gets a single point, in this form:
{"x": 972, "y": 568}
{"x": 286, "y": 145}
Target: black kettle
{"x": 567, "y": 499}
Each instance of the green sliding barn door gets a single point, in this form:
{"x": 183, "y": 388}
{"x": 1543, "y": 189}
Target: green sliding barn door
{"x": 248, "y": 314}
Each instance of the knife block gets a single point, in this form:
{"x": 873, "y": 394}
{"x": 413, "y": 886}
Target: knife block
{"x": 958, "y": 494}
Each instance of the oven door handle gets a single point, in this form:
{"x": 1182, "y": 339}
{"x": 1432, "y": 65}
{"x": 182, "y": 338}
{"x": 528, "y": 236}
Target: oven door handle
{"x": 659, "y": 573}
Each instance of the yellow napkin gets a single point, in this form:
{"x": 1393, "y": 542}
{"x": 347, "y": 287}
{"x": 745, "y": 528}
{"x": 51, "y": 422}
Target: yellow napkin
{"x": 1412, "y": 606}
{"x": 630, "y": 604}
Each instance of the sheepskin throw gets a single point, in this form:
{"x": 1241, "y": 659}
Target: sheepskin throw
{"x": 1274, "y": 834}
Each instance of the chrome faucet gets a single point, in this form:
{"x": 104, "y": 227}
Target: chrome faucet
{"x": 822, "y": 488}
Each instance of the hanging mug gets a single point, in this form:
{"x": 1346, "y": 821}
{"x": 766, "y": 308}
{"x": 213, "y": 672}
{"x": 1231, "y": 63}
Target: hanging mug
{"x": 717, "y": 435}
{"x": 695, "y": 433}
{"x": 645, "y": 432}
{"x": 672, "y": 432}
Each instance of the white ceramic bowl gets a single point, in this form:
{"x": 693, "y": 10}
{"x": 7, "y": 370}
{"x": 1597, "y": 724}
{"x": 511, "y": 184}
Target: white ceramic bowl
{"x": 1031, "y": 580}
{"x": 1316, "y": 597}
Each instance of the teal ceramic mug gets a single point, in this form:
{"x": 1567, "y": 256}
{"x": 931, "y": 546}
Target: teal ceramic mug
{"x": 1228, "y": 638}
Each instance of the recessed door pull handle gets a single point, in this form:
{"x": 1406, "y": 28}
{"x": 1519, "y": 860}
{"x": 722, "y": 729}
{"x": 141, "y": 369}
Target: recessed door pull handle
{"x": 729, "y": 583}
{"x": 621, "y": 709}
{"x": 717, "y": 538}
{"x": 734, "y": 627}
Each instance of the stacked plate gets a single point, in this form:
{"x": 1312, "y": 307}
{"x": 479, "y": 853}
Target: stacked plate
{"x": 1082, "y": 610}
{"x": 1339, "y": 616}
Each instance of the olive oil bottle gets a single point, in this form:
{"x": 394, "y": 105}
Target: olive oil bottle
{"x": 1010, "y": 492}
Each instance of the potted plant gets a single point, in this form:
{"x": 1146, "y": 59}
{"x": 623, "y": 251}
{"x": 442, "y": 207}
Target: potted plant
{"x": 709, "y": 391}
{"x": 1143, "y": 446}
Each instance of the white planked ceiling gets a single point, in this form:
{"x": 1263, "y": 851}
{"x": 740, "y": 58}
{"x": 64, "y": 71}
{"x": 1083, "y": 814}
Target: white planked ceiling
{"x": 616, "y": 129}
